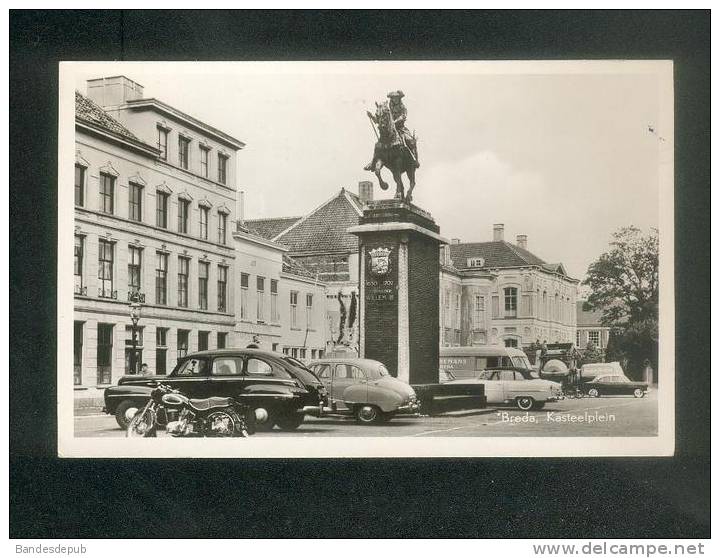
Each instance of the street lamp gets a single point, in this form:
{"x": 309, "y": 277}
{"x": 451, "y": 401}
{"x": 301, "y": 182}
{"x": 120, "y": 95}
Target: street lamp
{"x": 135, "y": 307}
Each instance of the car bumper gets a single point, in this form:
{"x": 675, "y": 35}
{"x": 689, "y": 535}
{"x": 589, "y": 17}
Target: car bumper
{"x": 409, "y": 409}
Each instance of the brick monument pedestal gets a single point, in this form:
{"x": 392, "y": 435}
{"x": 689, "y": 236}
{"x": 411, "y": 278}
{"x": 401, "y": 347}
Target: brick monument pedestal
{"x": 399, "y": 289}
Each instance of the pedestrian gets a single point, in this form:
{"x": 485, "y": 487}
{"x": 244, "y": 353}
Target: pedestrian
{"x": 255, "y": 343}
{"x": 145, "y": 369}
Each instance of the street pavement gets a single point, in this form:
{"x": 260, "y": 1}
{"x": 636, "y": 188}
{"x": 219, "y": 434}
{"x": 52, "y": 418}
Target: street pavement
{"x": 603, "y": 416}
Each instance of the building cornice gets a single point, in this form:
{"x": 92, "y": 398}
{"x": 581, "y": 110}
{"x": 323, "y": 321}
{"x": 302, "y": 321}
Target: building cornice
{"x": 135, "y": 145}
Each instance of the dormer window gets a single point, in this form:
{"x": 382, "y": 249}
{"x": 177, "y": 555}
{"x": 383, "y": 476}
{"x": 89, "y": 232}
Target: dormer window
{"x": 476, "y": 262}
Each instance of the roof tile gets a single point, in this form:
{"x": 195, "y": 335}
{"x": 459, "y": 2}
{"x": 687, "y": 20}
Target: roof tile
{"x": 91, "y": 112}
{"x": 270, "y": 228}
{"x": 495, "y": 254}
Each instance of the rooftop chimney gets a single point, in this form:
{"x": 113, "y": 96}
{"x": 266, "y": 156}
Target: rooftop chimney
{"x": 241, "y": 211}
{"x": 365, "y": 191}
{"x": 455, "y": 241}
{"x": 498, "y": 232}
{"x": 112, "y": 91}
{"x": 522, "y": 241}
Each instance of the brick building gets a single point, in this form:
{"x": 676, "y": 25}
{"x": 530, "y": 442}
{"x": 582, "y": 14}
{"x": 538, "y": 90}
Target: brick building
{"x": 590, "y": 328}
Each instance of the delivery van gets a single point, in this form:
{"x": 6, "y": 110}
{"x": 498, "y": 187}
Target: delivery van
{"x": 458, "y": 363}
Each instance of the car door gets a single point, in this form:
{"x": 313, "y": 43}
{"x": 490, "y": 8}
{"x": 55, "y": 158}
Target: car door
{"x": 493, "y": 387}
{"x": 226, "y": 377}
{"x": 191, "y": 378}
{"x": 511, "y": 388}
{"x": 342, "y": 379}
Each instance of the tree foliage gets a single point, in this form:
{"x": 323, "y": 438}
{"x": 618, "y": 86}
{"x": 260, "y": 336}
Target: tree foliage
{"x": 624, "y": 280}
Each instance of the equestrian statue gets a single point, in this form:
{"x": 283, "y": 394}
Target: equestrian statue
{"x": 396, "y": 147}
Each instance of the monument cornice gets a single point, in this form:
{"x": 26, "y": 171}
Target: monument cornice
{"x": 394, "y": 227}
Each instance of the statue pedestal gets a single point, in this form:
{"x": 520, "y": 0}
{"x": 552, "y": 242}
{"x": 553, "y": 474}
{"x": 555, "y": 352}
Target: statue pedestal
{"x": 399, "y": 289}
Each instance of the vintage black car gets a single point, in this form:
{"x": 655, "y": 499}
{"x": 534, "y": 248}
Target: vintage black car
{"x": 280, "y": 385}
{"x": 614, "y": 385}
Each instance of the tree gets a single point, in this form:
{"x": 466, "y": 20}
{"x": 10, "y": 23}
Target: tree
{"x": 624, "y": 285}
{"x": 624, "y": 280}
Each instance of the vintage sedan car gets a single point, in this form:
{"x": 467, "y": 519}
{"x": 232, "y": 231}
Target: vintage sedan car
{"x": 279, "y": 385}
{"x": 364, "y": 389}
{"x": 614, "y": 385}
{"x": 515, "y": 386}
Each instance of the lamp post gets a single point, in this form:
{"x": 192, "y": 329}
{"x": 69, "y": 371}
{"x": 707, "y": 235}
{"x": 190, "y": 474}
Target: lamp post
{"x": 135, "y": 307}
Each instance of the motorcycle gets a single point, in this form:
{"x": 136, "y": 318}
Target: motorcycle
{"x": 211, "y": 417}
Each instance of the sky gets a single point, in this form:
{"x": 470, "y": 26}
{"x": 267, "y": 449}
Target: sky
{"x": 560, "y": 155}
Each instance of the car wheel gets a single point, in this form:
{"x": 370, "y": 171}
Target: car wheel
{"x": 639, "y": 393}
{"x": 593, "y": 392}
{"x": 290, "y": 420}
{"x": 369, "y": 414}
{"x": 125, "y": 411}
{"x": 525, "y": 403}
{"x": 263, "y": 425}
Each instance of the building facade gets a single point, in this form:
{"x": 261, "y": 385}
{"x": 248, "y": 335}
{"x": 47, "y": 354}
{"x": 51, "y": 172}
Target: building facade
{"x": 590, "y": 329}
{"x": 490, "y": 292}
{"x": 154, "y": 215}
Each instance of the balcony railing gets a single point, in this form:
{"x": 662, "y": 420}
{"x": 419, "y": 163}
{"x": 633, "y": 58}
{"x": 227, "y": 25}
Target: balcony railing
{"x": 105, "y": 293}
{"x": 136, "y": 294}
{"x": 82, "y": 291}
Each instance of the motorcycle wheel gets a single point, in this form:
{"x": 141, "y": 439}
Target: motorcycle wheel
{"x": 224, "y": 424}
{"x": 142, "y": 425}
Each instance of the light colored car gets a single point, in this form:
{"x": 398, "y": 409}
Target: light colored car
{"x": 515, "y": 387}
{"x": 363, "y": 388}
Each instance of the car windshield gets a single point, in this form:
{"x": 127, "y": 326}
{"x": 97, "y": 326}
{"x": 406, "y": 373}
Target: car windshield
{"x": 376, "y": 373}
{"x": 521, "y": 362}
{"x": 623, "y": 379}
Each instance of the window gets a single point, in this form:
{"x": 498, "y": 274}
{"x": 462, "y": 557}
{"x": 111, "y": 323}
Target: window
{"x": 135, "y": 193}
{"x": 293, "y": 308}
{"x": 308, "y": 309}
{"x": 221, "y": 339}
{"x": 183, "y": 336}
{"x": 161, "y": 278}
{"x": 105, "y": 268}
{"x": 183, "y": 151}
{"x": 78, "y": 264}
{"x": 203, "y": 340}
{"x": 204, "y": 157}
{"x": 204, "y": 215}
{"x": 161, "y": 350}
{"x": 183, "y": 211}
{"x": 77, "y": 353}
{"x": 79, "y": 185}
{"x": 274, "y": 316}
{"x": 479, "y": 312}
{"x": 244, "y": 282}
{"x": 134, "y": 268}
{"x": 222, "y": 228}
{"x": 222, "y": 168}
{"x": 594, "y": 337}
{"x": 510, "y": 302}
{"x": 104, "y": 353}
{"x": 261, "y": 299}
{"x": 226, "y": 366}
{"x": 162, "y": 210}
{"x": 162, "y": 142}
{"x": 322, "y": 371}
{"x": 192, "y": 367}
{"x": 511, "y": 343}
{"x": 204, "y": 271}
{"x": 107, "y": 193}
{"x": 259, "y": 367}
{"x": 183, "y": 278}
{"x": 577, "y": 338}
{"x": 222, "y": 288}
{"x": 128, "y": 349}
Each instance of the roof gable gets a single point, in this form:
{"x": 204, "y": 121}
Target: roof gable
{"x": 89, "y": 111}
{"x": 588, "y": 317}
{"x": 325, "y": 229}
{"x": 270, "y": 228}
{"x": 495, "y": 254}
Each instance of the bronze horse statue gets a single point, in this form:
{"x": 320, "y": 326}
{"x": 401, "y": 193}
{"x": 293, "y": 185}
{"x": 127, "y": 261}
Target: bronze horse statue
{"x": 392, "y": 152}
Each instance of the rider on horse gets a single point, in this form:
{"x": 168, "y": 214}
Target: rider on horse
{"x": 399, "y": 114}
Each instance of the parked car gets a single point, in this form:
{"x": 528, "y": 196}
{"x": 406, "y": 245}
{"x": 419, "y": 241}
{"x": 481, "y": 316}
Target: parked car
{"x": 515, "y": 386}
{"x": 271, "y": 384}
{"x": 591, "y": 371}
{"x": 364, "y": 388}
{"x": 614, "y": 385}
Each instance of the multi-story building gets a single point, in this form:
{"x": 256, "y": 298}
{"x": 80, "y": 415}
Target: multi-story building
{"x": 490, "y": 292}
{"x": 500, "y": 293}
{"x": 155, "y": 197}
{"x": 280, "y": 304}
